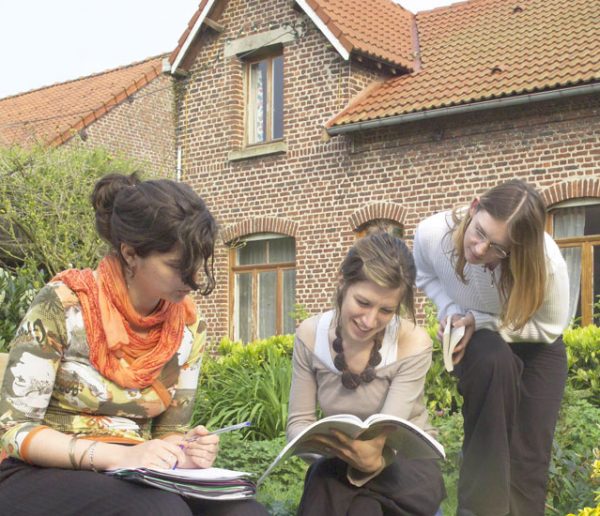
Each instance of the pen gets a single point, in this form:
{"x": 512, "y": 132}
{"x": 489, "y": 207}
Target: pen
{"x": 230, "y": 428}
{"x": 221, "y": 431}
{"x": 216, "y": 432}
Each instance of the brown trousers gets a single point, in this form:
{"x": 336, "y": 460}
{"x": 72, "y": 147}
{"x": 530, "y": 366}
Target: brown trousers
{"x": 404, "y": 488}
{"x": 512, "y": 395}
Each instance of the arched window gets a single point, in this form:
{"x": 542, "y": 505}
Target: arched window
{"x": 263, "y": 279}
{"x": 391, "y": 226}
{"x": 575, "y": 225}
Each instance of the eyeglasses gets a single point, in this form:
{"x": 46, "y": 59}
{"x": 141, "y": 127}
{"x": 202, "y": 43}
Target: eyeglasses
{"x": 496, "y": 249}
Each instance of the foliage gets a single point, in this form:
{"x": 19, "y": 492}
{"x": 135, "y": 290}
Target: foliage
{"x": 441, "y": 389}
{"x": 247, "y": 383}
{"x": 16, "y": 294}
{"x": 299, "y": 313}
{"x": 282, "y": 489}
{"x": 577, "y": 433}
{"x": 583, "y": 355}
{"x": 45, "y": 214}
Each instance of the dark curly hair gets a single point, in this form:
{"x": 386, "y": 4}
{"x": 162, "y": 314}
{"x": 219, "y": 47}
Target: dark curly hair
{"x": 155, "y": 216}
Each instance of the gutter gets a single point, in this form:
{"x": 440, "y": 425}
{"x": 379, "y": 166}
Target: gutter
{"x": 466, "y": 108}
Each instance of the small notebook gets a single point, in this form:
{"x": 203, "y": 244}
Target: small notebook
{"x": 450, "y": 339}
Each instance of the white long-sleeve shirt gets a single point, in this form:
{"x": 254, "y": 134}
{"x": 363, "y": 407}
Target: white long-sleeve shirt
{"x": 436, "y": 276}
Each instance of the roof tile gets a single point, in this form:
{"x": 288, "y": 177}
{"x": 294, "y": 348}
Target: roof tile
{"x": 547, "y": 44}
{"x": 380, "y": 29}
{"x": 52, "y": 114}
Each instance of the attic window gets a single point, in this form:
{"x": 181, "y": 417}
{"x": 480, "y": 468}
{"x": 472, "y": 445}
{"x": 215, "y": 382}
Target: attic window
{"x": 496, "y": 70}
{"x": 517, "y": 9}
{"x": 264, "y": 99}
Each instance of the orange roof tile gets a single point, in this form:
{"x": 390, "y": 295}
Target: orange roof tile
{"x": 53, "y": 114}
{"x": 380, "y": 29}
{"x": 485, "y": 49}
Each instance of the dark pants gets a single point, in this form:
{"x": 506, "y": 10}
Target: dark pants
{"x": 512, "y": 395}
{"x": 404, "y": 488}
{"x": 30, "y": 491}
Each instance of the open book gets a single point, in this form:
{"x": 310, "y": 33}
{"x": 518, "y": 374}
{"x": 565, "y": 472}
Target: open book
{"x": 407, "y": 439}
{"x": 450, "y": 339}
{"x": 209, "y": 483}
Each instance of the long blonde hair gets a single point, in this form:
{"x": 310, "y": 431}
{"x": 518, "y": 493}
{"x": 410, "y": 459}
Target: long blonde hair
{"x": 523, "y": 282}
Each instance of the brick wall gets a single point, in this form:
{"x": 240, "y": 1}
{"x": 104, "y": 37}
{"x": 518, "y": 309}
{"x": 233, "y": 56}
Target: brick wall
{"x": 324, "y": 189}
{"x": 141, "y": 128}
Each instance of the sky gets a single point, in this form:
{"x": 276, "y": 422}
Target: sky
{"x": 44, "y": 42}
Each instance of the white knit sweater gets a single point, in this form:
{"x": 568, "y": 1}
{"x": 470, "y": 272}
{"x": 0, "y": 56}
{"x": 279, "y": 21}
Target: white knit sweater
{"x": 437, "y": 278}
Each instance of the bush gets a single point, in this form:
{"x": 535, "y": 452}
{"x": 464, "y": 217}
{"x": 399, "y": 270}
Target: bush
{"x": 282, "y": 489}
{"x": 577, "y": 433}
{"x": 16, "y": 294}
{"x": 583, "y": 355}
{"x": 45, "y": 213}
{"x": 247, "y": 383}
{"x": 441, "y": 390}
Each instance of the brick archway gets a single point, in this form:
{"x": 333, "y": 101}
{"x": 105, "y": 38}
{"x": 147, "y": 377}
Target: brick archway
{"x": 378, "y": 210}
{"x": 259, "y": 225}
{"x": 585, "y": 187}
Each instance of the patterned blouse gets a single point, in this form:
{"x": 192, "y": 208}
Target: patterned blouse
{"x": 50, "y": 382}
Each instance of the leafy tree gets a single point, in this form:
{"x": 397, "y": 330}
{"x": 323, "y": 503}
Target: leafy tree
{"x": 46, "y": 217}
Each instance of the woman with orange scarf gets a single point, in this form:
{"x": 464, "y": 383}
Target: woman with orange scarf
{"x": 103, "y": 369}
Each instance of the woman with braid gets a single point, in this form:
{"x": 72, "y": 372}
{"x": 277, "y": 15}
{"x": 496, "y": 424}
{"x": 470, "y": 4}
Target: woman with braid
{"x": 103, "y": 370}
{"x": 362, "y": 358}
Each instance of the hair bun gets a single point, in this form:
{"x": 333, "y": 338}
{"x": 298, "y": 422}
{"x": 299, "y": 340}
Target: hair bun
{"x": 103, "y": 199}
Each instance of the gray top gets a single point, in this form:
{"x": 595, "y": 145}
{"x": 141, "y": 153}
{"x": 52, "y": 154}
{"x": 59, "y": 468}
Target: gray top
{"x": 398, "y": 388}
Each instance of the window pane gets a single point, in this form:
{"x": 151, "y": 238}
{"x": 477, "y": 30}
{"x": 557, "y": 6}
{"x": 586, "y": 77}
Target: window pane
{"x": 569, "y": 222}
{"x": 267, "y": 298}
{"x": 252, "y": 252}
{"x": 289, "y": 298}
{"x": 257, "y": 102}
{"x": 243, "y": 307}
{"x": 282, "y": 250}
{"x": 277, "y": 97}
{"x": 572, "y": 256}
{"x": 592, "y": 220}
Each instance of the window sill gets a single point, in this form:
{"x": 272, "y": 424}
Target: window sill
{"x": 255, "y": 151}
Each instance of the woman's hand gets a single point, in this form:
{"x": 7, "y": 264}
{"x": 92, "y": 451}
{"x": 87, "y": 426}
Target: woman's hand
{"x": 468, "y": 321}
{"x": 200, "y": 447}
{"x": 366, "y": 456}
{"x": 156, "y": 453}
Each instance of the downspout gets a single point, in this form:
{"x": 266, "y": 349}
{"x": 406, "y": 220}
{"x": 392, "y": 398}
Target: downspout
{"x": 178, "y": 169}
{"x": 467, "y": 108}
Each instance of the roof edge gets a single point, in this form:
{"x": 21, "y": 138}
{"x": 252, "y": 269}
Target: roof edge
{"x": 514, "y": 100}
{"x": 107, "y": 106}
{"x": 343, "y": 50}
{"x": 180, "y": 55}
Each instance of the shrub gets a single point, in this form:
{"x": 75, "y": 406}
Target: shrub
{"x": 45, "y": 214}
{"x": 247, "y": 383}
{"x": 577, "y": 433}
{"x": 16, "y": 293}
{"x": 282, "y": 489}
{"x": 583, "y": 355}
{"x": 441, "y": 389}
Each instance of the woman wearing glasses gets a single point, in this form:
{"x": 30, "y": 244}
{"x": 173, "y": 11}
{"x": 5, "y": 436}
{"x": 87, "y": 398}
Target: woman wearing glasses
{"x": 492, "y": 269}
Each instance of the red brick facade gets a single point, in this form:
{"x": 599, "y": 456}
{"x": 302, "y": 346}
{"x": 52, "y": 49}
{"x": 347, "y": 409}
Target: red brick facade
{"x": 141, "y": 128}
{"x": 321, "y": 190}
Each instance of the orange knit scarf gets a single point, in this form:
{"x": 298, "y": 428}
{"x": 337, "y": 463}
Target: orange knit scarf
{"x": 118, "y": 352}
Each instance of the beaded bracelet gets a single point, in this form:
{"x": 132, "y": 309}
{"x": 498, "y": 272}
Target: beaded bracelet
{"x": 72, "y": 444}
{"x": 90, "y": 451}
